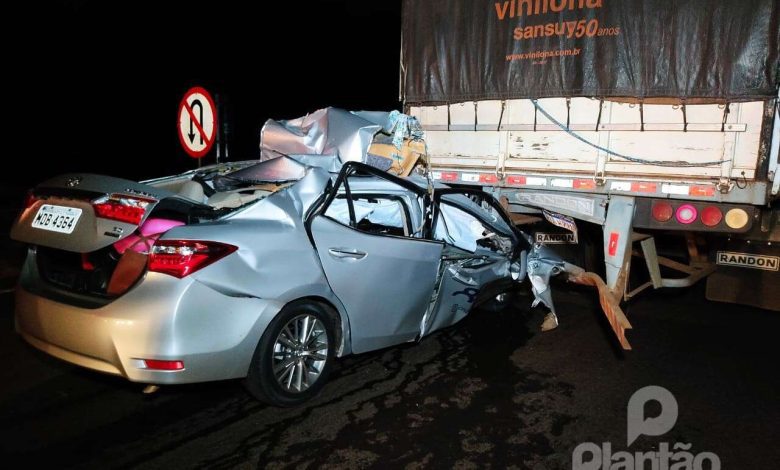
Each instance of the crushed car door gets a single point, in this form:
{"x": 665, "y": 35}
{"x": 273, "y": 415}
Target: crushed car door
{"x": 375, "y": 262}
{"x": 480, "y": 255}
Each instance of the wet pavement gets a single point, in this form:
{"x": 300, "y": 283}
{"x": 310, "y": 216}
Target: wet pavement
{"x": 489, "y": 392}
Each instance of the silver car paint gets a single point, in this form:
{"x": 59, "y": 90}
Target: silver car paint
{"x": 402, "y": 271}
{"x": 328, "y": 131}
{"x": 213, "y": 319}
{"x": 275, "y": 259}
{"x": 161, "y": 318}
{"x": 461, "y": 279}
{"x": 543, "y": 264}
{"x": 91, "y": 233}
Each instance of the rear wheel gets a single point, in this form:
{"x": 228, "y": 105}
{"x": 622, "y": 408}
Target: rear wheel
{"x": 294, "y": 355}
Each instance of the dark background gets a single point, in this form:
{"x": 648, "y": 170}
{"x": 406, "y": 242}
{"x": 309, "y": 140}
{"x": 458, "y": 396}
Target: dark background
{"x": 99, "y": 82}
{"x": 95, "y": 86}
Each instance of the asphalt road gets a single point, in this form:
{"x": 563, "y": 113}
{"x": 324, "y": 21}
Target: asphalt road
{"x": 489, "y": 392}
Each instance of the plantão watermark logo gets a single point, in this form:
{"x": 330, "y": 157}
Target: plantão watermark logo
{"x": 669, "y": 456}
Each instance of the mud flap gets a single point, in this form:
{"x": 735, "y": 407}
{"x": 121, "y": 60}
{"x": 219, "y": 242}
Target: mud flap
{"x": 748, "y": 274}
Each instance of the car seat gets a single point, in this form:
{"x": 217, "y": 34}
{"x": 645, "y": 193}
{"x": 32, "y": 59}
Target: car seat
{"x": 193, "y": 190}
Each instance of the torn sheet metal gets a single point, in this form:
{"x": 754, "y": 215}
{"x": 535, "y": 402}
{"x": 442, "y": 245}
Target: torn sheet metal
{"x": 329, "y": 163}
{"x": 327, "y": 131}
{"x": 278, "y": 170}
{"x": 347, "y": 136}
{"x": 543, "y": 264}
{"x": 459, "y": 283}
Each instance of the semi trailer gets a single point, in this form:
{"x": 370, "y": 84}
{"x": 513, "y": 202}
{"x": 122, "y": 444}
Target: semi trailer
{"x": 642, "y": 146}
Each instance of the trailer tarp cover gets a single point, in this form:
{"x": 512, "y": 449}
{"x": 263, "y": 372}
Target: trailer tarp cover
{"x": 464, "y": 50}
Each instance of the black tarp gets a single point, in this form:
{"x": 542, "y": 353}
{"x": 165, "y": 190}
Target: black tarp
{"x": 463, "y": 50}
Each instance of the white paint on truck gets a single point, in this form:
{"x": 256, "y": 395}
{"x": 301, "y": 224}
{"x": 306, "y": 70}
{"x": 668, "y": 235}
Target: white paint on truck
{"x": 483, "y": 138}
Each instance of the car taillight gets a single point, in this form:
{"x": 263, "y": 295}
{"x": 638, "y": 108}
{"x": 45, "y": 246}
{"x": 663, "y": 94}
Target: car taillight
{"x": 711, "y": 216}
{"x": 180, "y": 258}
{"x": 686, "y": 214}
{"x": 121, "y": 208}
{"x": 662, "y": 211}
{"x": 30, "y": 199}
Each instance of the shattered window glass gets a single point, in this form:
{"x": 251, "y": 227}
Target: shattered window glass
{"x": 372, "y": 214}
{"x": 458, "y": 228}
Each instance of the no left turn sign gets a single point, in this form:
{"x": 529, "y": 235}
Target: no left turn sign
{"x": 197, "y": 122}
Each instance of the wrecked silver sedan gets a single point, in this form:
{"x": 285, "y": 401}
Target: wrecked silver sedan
{"x": 258, "y": 270}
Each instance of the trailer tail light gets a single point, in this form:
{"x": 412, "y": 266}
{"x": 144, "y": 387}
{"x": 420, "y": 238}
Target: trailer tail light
{"x": 670, "y": 214}
{"x": 686, "y": 214}
{"x": 711, "y": 216}
{"x": 121, "y": 208}
{"x": 662, "y": 211}
{"x": 180, "y": 258}
{"x": 737, "y": 218}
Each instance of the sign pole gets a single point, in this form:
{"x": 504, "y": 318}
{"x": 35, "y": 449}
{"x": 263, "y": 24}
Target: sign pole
{"x": 218, "y": 144}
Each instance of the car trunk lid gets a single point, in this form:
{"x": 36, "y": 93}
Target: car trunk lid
{"x": 84, "y": 213}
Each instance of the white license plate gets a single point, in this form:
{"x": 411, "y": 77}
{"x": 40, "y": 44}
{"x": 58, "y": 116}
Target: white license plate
{"x": 56, "y": 218}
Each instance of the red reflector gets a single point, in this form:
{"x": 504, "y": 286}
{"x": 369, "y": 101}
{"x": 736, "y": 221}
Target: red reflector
{"x": 515, "y": 179}
{"x": 643, "y": 187}
{"x": 180, "y": 258}
{"x": 488, "y": 178}
{"x": 662, "y": 211}
{"x": 86, "y": 264}
{"x": 584, "y": 184}
{"x": 686, "y": 214}
{"x": 711, "y": 216}
{"x": 449, "y": 176}
{"x": 613, "y": 243}
{"x": 707, "y": 191}
{"x": 163, "y": 365}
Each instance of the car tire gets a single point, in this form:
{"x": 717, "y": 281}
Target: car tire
{"x": 291, "y": 364}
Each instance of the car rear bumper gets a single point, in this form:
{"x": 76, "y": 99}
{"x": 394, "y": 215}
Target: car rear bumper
{"x": 162, "y": 318}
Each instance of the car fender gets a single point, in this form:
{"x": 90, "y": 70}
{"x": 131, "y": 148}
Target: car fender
{"x": 325, "y": 295}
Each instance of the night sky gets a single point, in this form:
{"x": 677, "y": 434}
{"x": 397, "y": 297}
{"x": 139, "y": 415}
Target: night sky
{"x": 98, "y": 83}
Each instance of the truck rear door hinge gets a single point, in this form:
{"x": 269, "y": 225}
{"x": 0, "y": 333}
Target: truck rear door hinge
{"x": 724, "y": 185}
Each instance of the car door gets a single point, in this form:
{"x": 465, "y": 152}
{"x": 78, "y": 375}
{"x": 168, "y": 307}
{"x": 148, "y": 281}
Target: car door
{"x": 375, "y": 261}
{"x": 481, "y": 246}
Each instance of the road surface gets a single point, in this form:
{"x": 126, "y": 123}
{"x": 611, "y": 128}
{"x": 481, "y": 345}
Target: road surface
{"x": 489, "y": 392}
